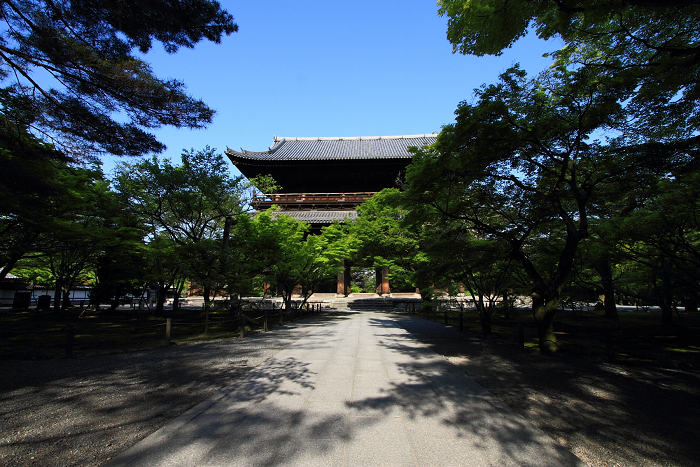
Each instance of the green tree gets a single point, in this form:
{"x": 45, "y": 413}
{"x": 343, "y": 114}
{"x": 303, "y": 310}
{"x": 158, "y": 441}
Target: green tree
{"x": 456, "y": 257}
{"x": 73, "y": 77}
{"x": 240, "y": 260}
{"x": 165, "y": 268}
{"x": 188, "y": 205}
{"x": 122, "y": 264}
{"x": 290, "y": 258}
{"x": 520, "y": 166}
{"x": 649, "y": 51}
{"x": 77, "y": 229}
{"x": 382, "y": 239}
{"x": 31, "y": 181}
{"x": 663, "y": 236}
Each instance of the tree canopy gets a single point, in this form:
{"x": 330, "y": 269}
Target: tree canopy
{"x": 520, "y": 166}
{"x": 648, "y": 50}
{"x": 72, "y": 76}
{"x": 184, "y": 210}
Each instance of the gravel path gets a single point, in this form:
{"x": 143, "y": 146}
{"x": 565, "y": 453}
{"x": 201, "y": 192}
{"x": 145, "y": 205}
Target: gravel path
{"x": 85, "y": 411}
{"x": 606, "y": 414}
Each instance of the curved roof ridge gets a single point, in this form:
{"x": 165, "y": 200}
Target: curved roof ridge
{"x": 336, "y": 149}
{"x": 350, "y": 138}
{"x": 246, "y": 152}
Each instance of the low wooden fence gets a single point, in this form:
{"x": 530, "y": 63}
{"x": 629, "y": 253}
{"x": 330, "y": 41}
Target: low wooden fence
{"x": 260, "y": 318}
{"x": 433, "y": 314}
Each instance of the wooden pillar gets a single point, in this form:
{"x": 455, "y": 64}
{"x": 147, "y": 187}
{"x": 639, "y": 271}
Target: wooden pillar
{"x": 341, "y": 283}
{"x": 344, "y": 279}
{"x": 385, "y": 281}
{"x": 348, "y": 278}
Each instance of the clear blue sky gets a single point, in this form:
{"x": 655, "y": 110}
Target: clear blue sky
{"x": 327, "y": 68}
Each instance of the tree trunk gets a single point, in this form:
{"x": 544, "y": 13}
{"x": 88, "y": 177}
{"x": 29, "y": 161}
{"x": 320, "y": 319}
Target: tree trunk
{"x": 207, "y": 294}
{"x": 115, "y": 301}
{"x": 57, "y": 296}
{"x": 9, "y": 265}
{"x": 484, "y": 317}
{"x": 666, "y": 302}
{"x": 224, "y": 247}
{"x": 65, "y": 303}
{"x": 606, "y": 279}
{"x": 543, "y": 310}
{"x": 506, "y": 304}
{"x": 160, "y": 299}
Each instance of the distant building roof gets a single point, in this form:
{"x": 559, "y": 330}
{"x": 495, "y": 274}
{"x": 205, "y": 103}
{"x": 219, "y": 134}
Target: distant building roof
{"x": 321, "y": 217}
{"x": 333, "y": 149}
{"x": 9, "y": 275}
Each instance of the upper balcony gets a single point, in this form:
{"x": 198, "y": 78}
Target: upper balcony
{"x": 304, "y": 201}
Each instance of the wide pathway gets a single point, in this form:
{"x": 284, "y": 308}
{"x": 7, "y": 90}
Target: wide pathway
{"x": 356, "y": 391}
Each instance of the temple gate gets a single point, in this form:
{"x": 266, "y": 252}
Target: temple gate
{"x": 325, "y": 179}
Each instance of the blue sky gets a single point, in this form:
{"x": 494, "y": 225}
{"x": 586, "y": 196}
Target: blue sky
{"x": 326, "y": 68}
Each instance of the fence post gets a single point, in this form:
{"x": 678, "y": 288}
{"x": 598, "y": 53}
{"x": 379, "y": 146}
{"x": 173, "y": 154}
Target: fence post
{"x": 521, "y": 336}
{"x": 70, "y": 336}
{"x": 206, "y": 319}
{"x": 265, "y": 321}
{"x": 168, "y": 326}
{"x": 242, "y": 325}
{"x": 461, "y": 321}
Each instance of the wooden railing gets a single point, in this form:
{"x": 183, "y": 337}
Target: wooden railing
{"x": 287, "y": 199}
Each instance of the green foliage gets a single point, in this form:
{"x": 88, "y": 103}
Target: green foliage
{"x": 661, "y": 239}
{"x": 646, "y": 51}
{"x": 91, "y": 79}
{"x": 628, "y": 72}
{"x": 382, "y": 239}
{"x": 78, "y": 227}
{"x": 30, "y": 182}
{"x": 455, "y": 256}
{"x": 265, "y": 184}
{"x": 288, "y": 257}
{"x": 184, "y": 210}
{"x": 520, "y": 167}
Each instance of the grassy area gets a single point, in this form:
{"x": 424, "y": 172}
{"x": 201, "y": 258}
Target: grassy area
{"x": 640, "y": 339}
{"x": 30, "y": 334}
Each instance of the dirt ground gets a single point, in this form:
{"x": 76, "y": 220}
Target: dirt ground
{"x": 84, "y": 411}
{"x": 607, "y": 414}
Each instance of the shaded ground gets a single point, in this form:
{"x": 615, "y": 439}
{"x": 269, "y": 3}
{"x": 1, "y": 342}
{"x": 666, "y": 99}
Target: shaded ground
{"x": 84, "y": 411}
{"x": 607, "y": 414}
{"x": 33, "y": 334}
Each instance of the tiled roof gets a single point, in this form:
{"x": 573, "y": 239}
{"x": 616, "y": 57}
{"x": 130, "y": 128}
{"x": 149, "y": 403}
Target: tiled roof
{"x": 363, "y": 147}
{"x": 9, "y": 275}
{"x": 321, "y": 217}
